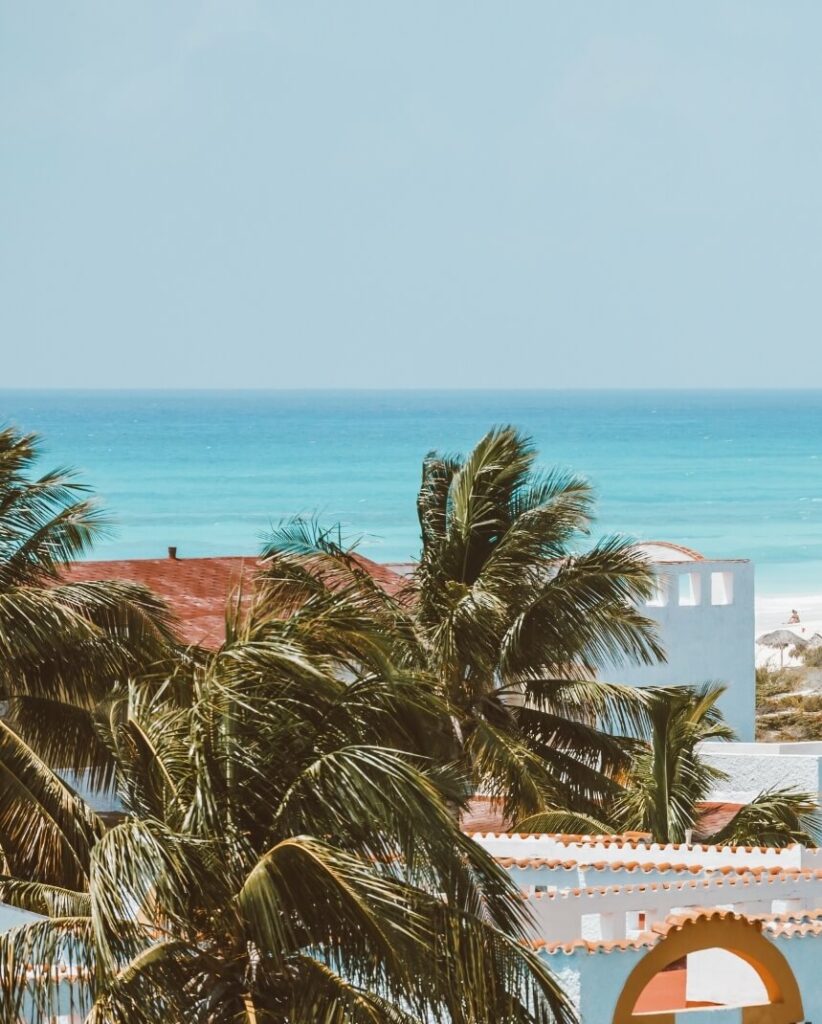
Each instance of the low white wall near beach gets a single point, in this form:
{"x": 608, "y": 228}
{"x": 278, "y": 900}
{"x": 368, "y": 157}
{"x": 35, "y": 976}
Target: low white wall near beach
{"x": 753, "y": 767}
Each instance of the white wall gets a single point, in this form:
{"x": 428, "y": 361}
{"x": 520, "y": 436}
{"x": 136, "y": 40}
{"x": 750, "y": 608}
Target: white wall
{"x": 609, "y": 851}
{"x": 704, "y": 642}
{"x": 594, "y": 981}
{"x": 753, "y": 767}
{"x": 718, "y": 976}
{"x": 805, "y": 958}
{"x": 610, "y": 913}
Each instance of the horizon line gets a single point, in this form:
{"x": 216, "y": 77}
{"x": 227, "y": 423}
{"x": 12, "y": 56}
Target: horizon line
{"x": 167, "y": 389}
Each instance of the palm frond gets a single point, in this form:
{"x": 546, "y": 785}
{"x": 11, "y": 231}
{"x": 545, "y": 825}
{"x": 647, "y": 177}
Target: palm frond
{"x": 46, "y": 831}
{"x": 45, "y": 521}
{"x": 562, "y": 822}
{"x": 774, "y": 818}
{"x": 66, "y": 737}
{"x": 46, "y": 900}
{"x": 585, "y": 614}
{"x": 140, "y": 880}
{"x": 321, "y": 994}
{"x": 304, "y": 891}
{"x": 32, "y": 994}
{"x": 506, "y": 769}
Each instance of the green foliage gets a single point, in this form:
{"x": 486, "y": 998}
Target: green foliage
{"x": 62, "y": 645}
{"x": 278, "y": 860}
{"x": 669, "y": 779}
{"x": 284, "y": 854}
{"x": 775, "y": 817}
{"x": 811, "y": 657}
{"x": 771, "y": 682}
{"x": 788, "y": 704}
{"x": 506, "y": 617}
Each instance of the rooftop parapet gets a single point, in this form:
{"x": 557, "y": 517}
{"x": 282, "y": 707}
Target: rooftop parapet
{"x": 610, "y": 849}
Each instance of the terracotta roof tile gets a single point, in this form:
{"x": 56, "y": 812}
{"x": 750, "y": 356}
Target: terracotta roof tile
{"x": 793, "y": 924}
{"x": 646, "y": 939}
{"x": 712, "y": 883}
{"x": 482, "y": 815}
{"x": 197, "y": 589}
{"x": 617, "y": 865}
{"x": 625, "y": 841}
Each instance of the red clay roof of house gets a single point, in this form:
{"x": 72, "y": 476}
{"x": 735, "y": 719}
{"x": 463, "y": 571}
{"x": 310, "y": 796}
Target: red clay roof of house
{"x": 483, "y": 815}
{"x": 673, "y": 922}
{"x": 197, "y": 589}
{"x": 713, "y": 817}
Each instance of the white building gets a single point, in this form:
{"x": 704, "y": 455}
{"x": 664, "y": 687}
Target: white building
{"x": 704, "y": 608}
{"x": 639, "y": 933}
{"x": 642, "y": 933}
{"x": 705, "y": 612}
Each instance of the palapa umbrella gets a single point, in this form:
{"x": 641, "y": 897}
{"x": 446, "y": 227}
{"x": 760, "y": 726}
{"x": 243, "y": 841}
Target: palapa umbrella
{"x": 780, "y": 639}
{"x": 815, "y": 641}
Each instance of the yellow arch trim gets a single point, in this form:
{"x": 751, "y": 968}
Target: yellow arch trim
{"x": 735, "y": 935}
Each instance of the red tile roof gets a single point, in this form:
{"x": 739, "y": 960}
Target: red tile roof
{"x": 645, "y": 940}
{"x": 483, "y": 815}
{"x": 197, "y": 589}
{"x": 713, "y": 817}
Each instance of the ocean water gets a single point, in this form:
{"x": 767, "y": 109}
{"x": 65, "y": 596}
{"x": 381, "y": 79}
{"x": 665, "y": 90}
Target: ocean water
{"x": 733, "y": 474}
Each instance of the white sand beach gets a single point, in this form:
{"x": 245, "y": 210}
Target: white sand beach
{"x": 773, "y": 612}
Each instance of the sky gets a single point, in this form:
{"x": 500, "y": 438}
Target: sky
{"x": 223, "y": 193}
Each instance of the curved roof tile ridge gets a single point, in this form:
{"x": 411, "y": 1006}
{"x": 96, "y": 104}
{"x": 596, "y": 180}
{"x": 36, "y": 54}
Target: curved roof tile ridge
{"x": 649, "y": 867}
{"x": 791, "y": 923}
{"x": 789, "y": 916}
{"x": 644, "y": 941}
{"x": 673, "y": 922}
{"x": 740, "y": 880}
{"x": 628, "y": 841}
{"x": 797, "y": 931}
{"x": 691, "y": 553}
{"x": 631, "y": 839}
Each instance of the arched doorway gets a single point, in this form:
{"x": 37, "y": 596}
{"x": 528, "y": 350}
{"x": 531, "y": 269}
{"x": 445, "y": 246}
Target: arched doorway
{"x": 726, "y": 932}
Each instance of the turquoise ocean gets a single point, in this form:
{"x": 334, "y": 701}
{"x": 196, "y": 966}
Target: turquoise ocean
{"x": 735, "y": 474}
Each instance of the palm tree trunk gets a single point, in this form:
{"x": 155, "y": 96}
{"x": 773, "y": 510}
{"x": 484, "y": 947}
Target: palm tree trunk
{"x": 250, "y": 1011}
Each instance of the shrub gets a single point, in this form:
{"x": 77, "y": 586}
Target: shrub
{"x": 811, "y": 657}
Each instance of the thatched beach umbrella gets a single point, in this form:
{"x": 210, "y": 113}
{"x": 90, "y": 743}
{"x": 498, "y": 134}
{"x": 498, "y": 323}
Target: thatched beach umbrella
{"x": 815, "y": 641}
{"x": 780, "y": 639}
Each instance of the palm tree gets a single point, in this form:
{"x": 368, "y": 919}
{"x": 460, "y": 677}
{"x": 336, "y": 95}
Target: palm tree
{"x": 277, "y": 860}
{"x": 669, "y": 779}
{"x": 506, "y": 617}
{"x": 63, "y": 645}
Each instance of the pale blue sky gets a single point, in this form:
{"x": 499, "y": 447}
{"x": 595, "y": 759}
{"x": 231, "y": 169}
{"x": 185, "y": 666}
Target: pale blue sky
{"x": 449, "y": 194}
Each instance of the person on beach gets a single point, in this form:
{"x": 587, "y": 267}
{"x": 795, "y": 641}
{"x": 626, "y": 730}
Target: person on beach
{"x": 794, "y": 617}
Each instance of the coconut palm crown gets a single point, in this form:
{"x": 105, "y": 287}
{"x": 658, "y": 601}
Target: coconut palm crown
{"x": 277, "y": 858}
{"x": 507, "y": 617}
{"x": 670, "y": 779}
{"x": 63, "y": 645}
